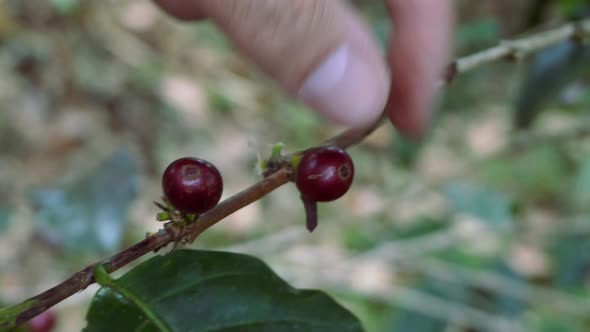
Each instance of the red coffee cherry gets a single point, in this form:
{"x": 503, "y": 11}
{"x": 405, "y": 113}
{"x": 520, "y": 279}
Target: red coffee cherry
{"x": 192, "y": 185}
{"x": 44, "y": 322}
{"x": 324, "y": 174}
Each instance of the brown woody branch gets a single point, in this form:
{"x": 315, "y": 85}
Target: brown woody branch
{"x": 507, "y": 50}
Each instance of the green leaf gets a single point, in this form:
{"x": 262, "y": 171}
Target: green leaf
{"x": 547, "y": 74}
{"x": 208, "y": 291}
{"x": 480, "y": 202}
{"x": 88, "y": 214}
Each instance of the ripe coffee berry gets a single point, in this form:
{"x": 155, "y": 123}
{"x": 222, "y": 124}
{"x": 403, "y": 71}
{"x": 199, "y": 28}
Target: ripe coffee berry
{"x": 44, "y": 322}
{"x": 192, "y": 185}
{"x": 324, "y": 174}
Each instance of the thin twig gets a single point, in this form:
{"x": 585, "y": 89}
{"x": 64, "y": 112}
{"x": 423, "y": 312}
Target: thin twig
{"x": 79, "y": 281}
{"x": 517, "y": 49}
{"x": 13, "y": 316}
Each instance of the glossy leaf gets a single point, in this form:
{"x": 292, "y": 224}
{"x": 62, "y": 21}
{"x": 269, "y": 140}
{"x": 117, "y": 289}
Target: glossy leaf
{"x": 214, "y": 292}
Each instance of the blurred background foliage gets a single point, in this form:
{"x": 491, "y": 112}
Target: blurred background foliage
{"x": 485, "y": 226}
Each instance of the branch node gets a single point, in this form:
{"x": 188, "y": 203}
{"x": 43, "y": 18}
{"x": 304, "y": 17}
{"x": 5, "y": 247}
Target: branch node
{"x": 450, "y": 73}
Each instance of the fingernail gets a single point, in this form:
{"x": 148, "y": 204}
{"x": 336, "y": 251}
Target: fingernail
{"x": 347, "y": 88}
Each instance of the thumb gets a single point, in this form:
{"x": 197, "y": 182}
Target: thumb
{"x": 320, "y": 51}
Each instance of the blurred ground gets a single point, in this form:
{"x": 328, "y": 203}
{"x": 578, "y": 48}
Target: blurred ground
{"x": 465, "y": 233}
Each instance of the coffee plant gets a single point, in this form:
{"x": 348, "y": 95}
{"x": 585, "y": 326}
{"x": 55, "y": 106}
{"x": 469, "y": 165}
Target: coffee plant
{"x": 166, "y": 286}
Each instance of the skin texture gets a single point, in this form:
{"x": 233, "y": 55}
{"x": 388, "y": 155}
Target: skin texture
{"x": 334, "y": 64}
{"x": 324, "y": 174}
{"x": 192, "y": 185}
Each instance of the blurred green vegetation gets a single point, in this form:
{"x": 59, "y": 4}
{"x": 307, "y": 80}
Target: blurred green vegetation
{"x": 467, "y": 231}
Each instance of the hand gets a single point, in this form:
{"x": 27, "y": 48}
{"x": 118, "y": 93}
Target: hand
{"x": 322, "y": 52}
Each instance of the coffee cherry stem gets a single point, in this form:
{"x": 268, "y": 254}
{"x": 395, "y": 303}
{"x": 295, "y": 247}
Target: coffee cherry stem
{"x": 311, "y": 213}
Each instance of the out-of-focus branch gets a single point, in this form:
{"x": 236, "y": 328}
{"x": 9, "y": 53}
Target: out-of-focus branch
{"x": 516, "y": 49}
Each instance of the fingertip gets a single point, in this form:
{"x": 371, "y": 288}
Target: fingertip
{"x": 347, "y": 88}
{"x": 418, "y": 56}
{"x": 350, "y": 86}
{"x": 414, "y": 125}
{"x": 321, "y": 52}
{"x": 411, "y": 124}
